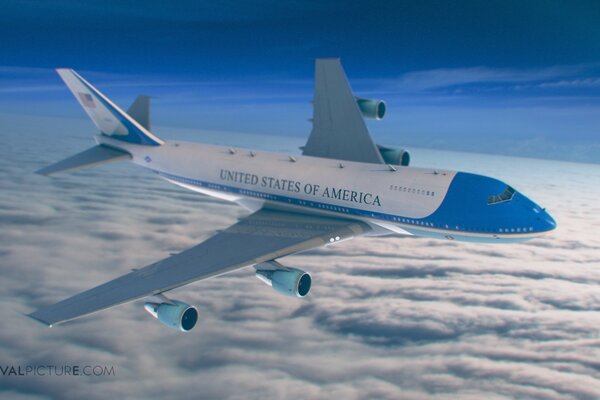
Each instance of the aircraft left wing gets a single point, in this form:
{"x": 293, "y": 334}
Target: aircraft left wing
{"x": 262, "y": 236}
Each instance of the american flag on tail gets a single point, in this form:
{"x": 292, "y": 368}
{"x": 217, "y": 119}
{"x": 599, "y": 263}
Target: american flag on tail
{"x": 87, "y": 100}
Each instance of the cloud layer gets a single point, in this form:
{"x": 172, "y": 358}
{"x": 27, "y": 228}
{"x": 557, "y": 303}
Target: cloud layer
{"x": 388, "y": 317}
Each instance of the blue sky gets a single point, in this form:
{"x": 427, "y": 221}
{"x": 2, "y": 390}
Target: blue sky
{"x": 494, "y": 76}
{"x": 249, "y": 38}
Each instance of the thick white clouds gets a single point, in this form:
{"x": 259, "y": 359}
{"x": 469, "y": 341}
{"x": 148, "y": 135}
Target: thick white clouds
{"x": 388, "y": 317}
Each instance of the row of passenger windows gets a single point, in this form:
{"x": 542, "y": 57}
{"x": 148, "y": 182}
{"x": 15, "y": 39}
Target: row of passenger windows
{"x": 412, "y": 221}
{"x": 430, "y": 224}
{"x": 512, "y": 230}
{"x": 406, "y": 189}
{"x": 257, "y": 194}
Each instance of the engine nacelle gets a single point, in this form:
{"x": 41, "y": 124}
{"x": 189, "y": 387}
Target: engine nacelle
{"x": 287, "y": 281}
{"x": 394, "y": 155}
{"x": 176, "y": 314}
{"x": 371, "y": 108}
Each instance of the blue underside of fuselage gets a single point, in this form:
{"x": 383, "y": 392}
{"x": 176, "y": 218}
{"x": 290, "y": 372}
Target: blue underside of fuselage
{"x": 463, "y": 215}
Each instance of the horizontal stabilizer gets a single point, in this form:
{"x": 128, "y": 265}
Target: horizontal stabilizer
{"x": 89, "y": 158}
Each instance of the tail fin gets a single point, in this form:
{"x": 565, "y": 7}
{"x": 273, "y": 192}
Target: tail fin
{"x": 108, "y": 118}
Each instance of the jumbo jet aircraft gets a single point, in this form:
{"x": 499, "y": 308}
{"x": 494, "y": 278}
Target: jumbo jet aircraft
{"x": 341, "y": 187}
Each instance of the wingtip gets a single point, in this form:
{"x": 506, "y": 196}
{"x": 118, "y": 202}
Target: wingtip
{"x": 328, "y": 60}
{"x": 41, "y": 171}
{"x": 47, "y": 324}
{"x": 65, "y": 72}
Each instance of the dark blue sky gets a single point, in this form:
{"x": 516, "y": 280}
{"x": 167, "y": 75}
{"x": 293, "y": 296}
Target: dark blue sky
{"x": 241, "y": 38}
{"x": 474, "y": 75}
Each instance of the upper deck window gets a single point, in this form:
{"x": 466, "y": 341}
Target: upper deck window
{"x": 507, "y": 195}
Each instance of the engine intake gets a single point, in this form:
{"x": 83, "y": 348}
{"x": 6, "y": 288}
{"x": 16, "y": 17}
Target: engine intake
{"x": 394, "y": 155}
{"x": 371, "y": 108}
{"x": 287, "y": 281}
{"x": 174, "y": 314}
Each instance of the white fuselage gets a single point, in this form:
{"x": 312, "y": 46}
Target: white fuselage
{"x": 392, "y": 201}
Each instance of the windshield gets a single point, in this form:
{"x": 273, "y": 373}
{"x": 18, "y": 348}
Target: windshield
{"x": 507, "y": 195}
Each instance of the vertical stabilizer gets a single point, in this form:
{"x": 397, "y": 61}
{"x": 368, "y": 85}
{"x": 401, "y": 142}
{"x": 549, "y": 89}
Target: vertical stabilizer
{"x": 107, "y": 116}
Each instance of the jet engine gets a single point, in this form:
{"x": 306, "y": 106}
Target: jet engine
{"x": 174, "y": 314}
{"x": 394, "y": 155}
{"x": 287, "y": 281}
{"x": 371, "y": 108}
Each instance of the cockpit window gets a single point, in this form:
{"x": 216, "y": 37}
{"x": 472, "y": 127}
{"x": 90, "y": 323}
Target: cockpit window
{"x": 507, "y": 195}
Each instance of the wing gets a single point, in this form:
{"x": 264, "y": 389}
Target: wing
{"x": 339, "y": 130}
{"x": 262, "y": 236}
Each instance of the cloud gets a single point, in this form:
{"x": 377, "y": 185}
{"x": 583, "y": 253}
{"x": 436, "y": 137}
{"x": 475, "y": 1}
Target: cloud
{"x": 577, "y": 83}
{"x": 548, "y": 77}
{"x": 388, "y": 317}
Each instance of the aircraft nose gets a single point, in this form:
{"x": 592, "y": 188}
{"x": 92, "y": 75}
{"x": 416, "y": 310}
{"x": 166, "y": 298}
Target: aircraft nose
{"x": 541, "y": 220}
{"x": 544, "y": 221}
{"x": 547, "y": 221}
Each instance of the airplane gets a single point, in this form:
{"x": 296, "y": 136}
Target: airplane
{"x": 342, "y": 186}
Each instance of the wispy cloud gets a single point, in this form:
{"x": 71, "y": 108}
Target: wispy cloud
{"x": 570, "y": 83}
{"x": 445, "y": 77}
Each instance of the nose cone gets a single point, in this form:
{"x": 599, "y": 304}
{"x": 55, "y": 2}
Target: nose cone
{"x": 542, "y": 220}
{"x": 547, "y": 222}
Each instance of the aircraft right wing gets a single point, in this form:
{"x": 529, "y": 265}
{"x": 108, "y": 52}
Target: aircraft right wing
{"x": 259, "y": 237}
{"x": 339, "y": 130}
